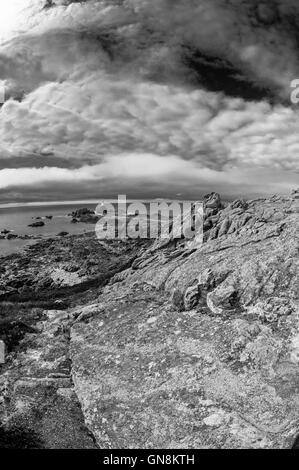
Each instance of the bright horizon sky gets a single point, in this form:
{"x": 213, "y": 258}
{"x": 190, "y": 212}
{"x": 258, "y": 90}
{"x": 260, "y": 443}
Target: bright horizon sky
{"x": 73, "y": 203}
{"x": 49, "y": 203}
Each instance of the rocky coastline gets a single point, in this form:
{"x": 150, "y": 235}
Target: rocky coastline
{"x": 8, "y": 235}
{"x": 146, "y": 344}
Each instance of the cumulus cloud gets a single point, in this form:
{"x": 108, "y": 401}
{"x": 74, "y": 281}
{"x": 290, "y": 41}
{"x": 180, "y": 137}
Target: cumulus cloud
{"x": 151, "y": 88}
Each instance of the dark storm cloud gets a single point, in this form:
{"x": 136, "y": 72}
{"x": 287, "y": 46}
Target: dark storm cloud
{"x": 36, "y": 161}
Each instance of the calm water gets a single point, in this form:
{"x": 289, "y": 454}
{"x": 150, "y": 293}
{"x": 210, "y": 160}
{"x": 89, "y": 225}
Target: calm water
{"x": 17, "y": 220}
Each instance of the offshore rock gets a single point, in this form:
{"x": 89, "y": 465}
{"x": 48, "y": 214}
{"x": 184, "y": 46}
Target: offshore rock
{"x": 39, "y": 223}
{"x": 84, "y": 215}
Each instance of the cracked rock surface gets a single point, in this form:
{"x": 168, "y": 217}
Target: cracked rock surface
{"x": 199, "y": 350}
{"x": 182, "y": 348}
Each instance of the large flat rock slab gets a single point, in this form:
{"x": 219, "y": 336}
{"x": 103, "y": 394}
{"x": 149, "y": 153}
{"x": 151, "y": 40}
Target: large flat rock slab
{"x": 38, "y": 405}
{"x": 150, "y": 376}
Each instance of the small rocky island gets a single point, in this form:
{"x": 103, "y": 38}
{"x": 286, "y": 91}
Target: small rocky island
{"x": 147, "y": 344}
{"x": 84, "y": 215}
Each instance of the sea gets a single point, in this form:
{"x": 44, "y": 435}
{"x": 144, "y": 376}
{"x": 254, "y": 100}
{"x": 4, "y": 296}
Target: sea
{"x": 17, "y": 218}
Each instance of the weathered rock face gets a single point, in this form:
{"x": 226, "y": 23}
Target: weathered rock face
{"x": 38, "y": 405}
{"x": 256, "y": 260}
{"x": 199, "y": 348}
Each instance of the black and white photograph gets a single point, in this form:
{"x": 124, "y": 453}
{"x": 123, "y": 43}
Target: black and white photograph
{"x": 149, "y": 228}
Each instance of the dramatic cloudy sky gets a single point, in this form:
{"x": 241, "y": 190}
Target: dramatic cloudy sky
{"x": 150, "y": 98}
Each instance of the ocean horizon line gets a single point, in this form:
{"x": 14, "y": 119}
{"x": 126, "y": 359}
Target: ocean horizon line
{"x": 46, "y": 203}
{"x": 13, "y": 205}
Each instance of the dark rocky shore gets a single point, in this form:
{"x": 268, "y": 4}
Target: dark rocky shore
{"x": 156, "y": 345}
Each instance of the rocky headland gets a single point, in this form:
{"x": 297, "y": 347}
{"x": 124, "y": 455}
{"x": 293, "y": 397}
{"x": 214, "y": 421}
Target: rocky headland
{"x": 147, "y": 344}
